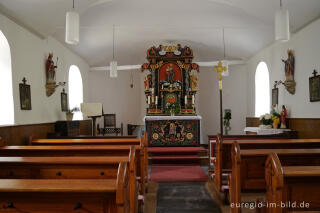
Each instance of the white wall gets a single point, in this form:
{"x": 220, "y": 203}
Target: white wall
{"x": 306, "y": 46}
{"x": 29, "y": 54}
{"x": 117, "y": 96}
{"x": 233, "y": 95}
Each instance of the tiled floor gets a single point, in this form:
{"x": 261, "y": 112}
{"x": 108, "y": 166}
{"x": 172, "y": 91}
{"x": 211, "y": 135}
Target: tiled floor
{"x": 185, "y": 197}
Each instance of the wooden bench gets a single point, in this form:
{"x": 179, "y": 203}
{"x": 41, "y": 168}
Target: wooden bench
{"x": 83, "y": 150}
{"x": 285, "y": 184}
{"x": 66, "y": 195}
{"x": 223, "y": 152}
{"x": 142, "y": 142}
{"x": 248, "y": 167}
{"x": 71, "y": 168}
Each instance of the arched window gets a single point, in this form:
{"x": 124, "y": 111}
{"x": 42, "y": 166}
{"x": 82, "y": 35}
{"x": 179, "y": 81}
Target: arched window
{"x": 75, "y": 91}
{"x": 6, "y": 94}
{"x": 262, "y": 90}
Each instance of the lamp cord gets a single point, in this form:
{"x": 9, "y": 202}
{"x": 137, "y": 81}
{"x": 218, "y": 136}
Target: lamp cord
{"x": 224, "y": 44}
{"x": 280, "y": 4}
{"x": 113, "y": 44}
{"x": 73, "y": 4}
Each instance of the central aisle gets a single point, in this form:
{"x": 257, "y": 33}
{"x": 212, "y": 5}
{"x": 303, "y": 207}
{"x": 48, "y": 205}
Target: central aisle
{"x": 185, "y": 197}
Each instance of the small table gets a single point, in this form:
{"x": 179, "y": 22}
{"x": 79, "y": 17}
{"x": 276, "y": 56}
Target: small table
{"x": 260, "y": 131}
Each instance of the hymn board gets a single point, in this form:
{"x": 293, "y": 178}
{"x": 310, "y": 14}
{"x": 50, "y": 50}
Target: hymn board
{"x": 170, "y": 86}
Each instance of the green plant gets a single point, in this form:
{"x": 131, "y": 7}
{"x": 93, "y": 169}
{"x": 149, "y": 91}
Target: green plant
{"x": 172, "y": 107}
{"x": 74, "y": 109}
{"x": 226, "y": 122}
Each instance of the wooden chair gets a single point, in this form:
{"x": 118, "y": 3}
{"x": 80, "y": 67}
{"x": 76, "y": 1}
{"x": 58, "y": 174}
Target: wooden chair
{"x": 110, "y": 126}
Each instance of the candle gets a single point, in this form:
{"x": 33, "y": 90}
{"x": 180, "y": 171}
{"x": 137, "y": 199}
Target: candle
{"x": 152, "y": 98}
{"x": 192, "y": 99}
{"x": 156, "y": 100}
{"x": 185, "y": 100}
{"x": 149, "y": 100}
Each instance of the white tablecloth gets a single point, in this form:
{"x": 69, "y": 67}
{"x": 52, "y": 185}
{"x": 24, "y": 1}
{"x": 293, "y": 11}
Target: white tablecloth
{"x": 265, "y": 131}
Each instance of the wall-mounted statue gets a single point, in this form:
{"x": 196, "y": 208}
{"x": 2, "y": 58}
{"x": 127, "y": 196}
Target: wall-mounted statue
{"x": 290, "y": 83}
{"x": 51, "y": 67}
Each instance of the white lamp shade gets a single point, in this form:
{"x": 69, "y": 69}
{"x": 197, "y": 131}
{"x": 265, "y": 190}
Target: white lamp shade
{"x": 282, "y": 28}
{"x": 113, "y": 69}
{"x": 225, "y": 64}
{"x": 72, "y": 27}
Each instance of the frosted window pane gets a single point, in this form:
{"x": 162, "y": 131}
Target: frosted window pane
{"x": 6, "y": 95}
{"x": 75, "y": 91}
{"x": 262, "y": 85}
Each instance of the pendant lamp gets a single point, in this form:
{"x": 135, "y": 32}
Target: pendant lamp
{"x": 282, "y": 28}
{"x": 113, "y": 63}
{"x": 72, "y": 27}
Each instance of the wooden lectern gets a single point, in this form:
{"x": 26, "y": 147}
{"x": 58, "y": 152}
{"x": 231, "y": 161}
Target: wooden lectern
{"x": 93, "y": 111}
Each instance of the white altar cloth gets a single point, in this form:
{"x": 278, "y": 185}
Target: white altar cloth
{"x": 265, "y": 131}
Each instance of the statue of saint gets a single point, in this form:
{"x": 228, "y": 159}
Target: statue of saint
{"x": 194, "y": 82}
{"x": 289, "y": 66}
{"x": 283, "y": 117}
{"x": 50, "y": 69}
{"x": 170, "y": 74}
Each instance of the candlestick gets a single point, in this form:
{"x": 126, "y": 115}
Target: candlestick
{"x": 152, "y": 98}
{"x": 185, "y": 100}
{"x": 193, "y": 99}
{"x": 156, "y": 100}
{"x": 149, "y": 100}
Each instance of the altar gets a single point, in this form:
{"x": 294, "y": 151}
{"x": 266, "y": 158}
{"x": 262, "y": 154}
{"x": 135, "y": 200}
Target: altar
{"x": 173, "y": 130}
{"x": 170, "y": 87}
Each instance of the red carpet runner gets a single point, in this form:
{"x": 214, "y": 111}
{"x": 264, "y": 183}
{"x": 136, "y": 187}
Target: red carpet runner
{"x": 168, "y": 173}
{"x": 176, "y": 164}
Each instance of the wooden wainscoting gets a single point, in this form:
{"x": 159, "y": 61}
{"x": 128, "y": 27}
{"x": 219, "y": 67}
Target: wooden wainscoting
{"x": 19, "y": 134}
{"x": 306, "y": 127}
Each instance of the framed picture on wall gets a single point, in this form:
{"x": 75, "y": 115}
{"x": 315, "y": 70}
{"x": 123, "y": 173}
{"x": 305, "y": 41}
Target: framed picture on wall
{"x": 275, "y": 93}
{"x": 25, "y": 95}
{"x": 64, "y": 101}
{"x": 314, "y": 87}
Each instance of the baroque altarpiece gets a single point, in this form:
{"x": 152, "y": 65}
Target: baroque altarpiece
{"x": 171, "y": 84}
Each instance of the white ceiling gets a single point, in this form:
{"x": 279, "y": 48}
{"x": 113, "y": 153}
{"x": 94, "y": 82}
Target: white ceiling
{"x": 139, "y": 24}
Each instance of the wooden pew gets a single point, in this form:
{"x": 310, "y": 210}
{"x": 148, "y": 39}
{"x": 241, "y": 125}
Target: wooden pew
{"x": 87, "y": 141}
{"x": 83, "y": 150}
{"x": 143, "y": 142}
{"x": 66, "y": 195}
{"x": 286, "y": 184}
{"x": 98, "y": 140}
{"x": 248, "y": 167}
{"x": 67, "y": 167}
{"x": 51, "y": 136}
{"x": 223, "y": 165}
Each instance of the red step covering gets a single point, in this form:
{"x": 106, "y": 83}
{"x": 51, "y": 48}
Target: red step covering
{"x": 175, "y": 149}
{"x": 170, "y": 173}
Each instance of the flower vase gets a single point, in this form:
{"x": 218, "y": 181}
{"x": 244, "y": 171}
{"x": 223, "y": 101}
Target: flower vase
{"x": 69, "y": 116}
{"x": 172, "y": 112}
{"x": 275, "y": 125}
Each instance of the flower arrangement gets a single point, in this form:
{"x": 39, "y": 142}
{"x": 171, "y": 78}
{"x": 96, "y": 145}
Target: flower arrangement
{"x": 266, "y": 119}
{"x": 172, "y": 108}
{"x": 276, "y": 119}
{"x": 69, "y": 113}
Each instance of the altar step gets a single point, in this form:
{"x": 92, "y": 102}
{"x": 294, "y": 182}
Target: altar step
{"x": 178, "y": 155}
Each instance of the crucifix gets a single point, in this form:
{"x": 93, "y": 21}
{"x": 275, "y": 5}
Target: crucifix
{"x": 220, "y": 69}
{"x": 314, "y": 73}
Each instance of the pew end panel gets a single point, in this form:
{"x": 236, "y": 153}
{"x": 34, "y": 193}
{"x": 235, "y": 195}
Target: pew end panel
{"x": 235, "y": 178}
